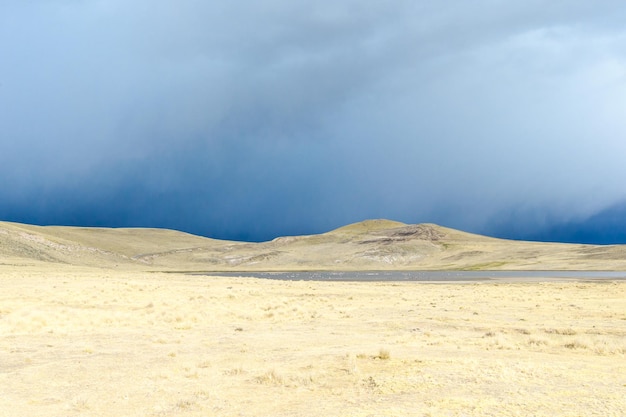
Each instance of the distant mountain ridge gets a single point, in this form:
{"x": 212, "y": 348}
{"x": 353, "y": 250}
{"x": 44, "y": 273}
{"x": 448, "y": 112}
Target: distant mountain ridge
{"x": 368, "y": 245}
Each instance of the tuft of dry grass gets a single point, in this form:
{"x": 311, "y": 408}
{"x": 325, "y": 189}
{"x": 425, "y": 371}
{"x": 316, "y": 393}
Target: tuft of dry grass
{"x": 383, "y": 354}
{"x": 564, "y": 332}
{"x": 575, "y": 345}
{"x": 234, "y": 371}
{"x": 270, "y": 378}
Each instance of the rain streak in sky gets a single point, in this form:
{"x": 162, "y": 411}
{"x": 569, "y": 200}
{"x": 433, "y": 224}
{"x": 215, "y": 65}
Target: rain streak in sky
{"x": 251, "y": 120}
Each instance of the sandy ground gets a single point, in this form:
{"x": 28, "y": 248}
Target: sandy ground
{"x": 102, "y": 343}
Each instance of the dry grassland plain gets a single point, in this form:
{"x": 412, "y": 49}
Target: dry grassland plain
{"x": 94, "y": 342}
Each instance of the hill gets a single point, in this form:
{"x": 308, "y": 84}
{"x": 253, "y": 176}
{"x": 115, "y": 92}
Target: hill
{"x": 368, "y": 245}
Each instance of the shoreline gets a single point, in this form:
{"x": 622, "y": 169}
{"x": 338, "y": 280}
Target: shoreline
{"x": 427, "y": 276}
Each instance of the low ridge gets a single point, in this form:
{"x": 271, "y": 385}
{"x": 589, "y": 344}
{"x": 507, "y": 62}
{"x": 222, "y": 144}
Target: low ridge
{"x": 369, "y": 245}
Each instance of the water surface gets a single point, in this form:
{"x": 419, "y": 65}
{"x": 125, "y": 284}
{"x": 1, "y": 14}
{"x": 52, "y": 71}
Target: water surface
{"x": 435, "y": 276}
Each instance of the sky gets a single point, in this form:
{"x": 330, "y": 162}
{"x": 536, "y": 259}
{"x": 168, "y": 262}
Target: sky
{"x": 249, "y": 120}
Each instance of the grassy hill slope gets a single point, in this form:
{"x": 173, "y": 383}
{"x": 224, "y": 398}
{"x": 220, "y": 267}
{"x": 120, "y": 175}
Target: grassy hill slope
{"x": 368, "y": 245}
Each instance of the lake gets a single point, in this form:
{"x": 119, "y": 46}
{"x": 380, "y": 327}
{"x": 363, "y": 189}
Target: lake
{"x": 426, "y": 276}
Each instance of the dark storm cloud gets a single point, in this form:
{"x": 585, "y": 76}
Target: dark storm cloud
{"x": 250, "y": 120}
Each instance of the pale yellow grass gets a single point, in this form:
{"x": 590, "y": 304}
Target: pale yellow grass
{"x": 105, "y": 343}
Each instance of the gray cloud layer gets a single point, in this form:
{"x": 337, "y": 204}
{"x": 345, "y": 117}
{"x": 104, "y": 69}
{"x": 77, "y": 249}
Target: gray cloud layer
{"x": 255, "y": 119}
